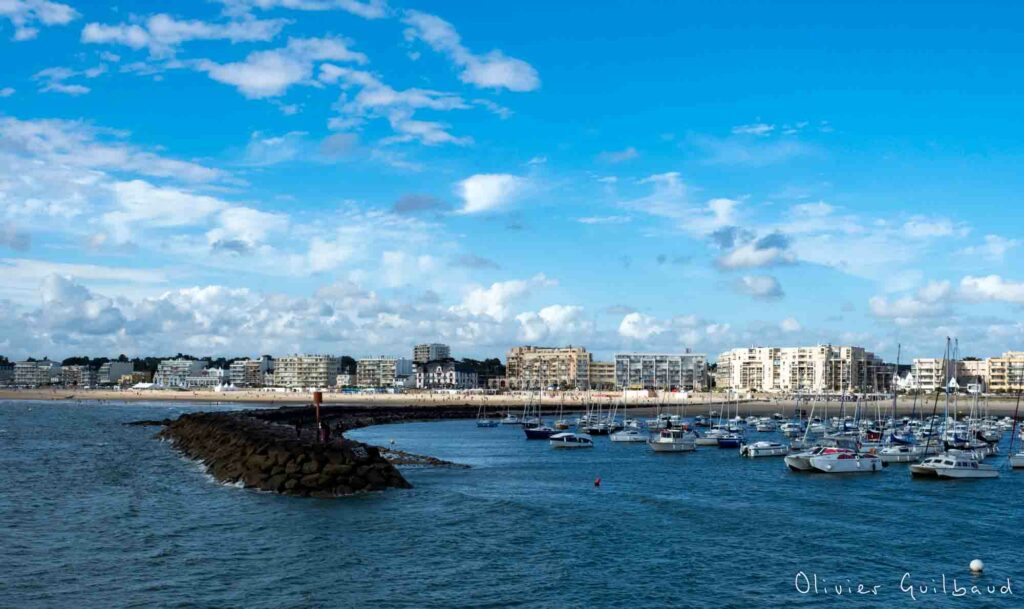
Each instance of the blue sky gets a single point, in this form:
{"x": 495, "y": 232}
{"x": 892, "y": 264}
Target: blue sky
{"x": 353, "y": 176}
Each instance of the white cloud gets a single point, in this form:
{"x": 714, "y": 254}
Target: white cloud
{"x": 486, "y": 192}
{"x": 54, "y": 80}
{"x": 367, "y": 9}
{"x": 753, "y": 129}
{"x": 790, "y": 325}
{"x": 761, "y": 286}
{"x": 993, "y": 249}
{"x": 745, "y": 151}
{"x": 619, "y": 156}
{"x": 495, "y": 301}
{"x": 992, "y": 288}
{"x": 242, "y": 229}
{"x": 140, "y": 203}
{"x": 930, "y": 301}
{"x": 639, "y": 326}
{"x": 493, "y": 70}
{"x": 921, "y": 227}
{"x": 554, "y": 322}
{"x": 161, "y": 34}
{"x": 604, "y": 220}
{"x": 668, "y": 199}
{"x": 270, "y": 73}
{"x": 6, "y": 91}
{"x": 28, "y": 15}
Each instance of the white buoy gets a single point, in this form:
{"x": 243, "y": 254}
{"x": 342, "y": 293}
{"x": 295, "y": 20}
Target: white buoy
{"x": 977, "y": 566}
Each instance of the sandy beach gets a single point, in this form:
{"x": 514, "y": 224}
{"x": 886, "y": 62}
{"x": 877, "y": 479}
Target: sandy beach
{"x": 701, "y": 403}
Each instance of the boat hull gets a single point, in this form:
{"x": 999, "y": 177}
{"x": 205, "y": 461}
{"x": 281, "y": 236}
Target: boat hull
{"x": 753, "y": 451}
{"x": 672, "y": 447}
{"x": 539, "y": 434}
{"x": 628, "y": 437}
{"x": 855, "y": 465}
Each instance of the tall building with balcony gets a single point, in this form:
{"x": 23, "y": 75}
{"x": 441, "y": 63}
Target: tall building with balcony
{"x": 818, "y": 369}
{"x": 250, "y": 372}
{"x": 36, "y": 374}
{"x": 430, "y": 352}
{"x": 173, "y": 373}
{"x": 602, "y": 376}
{"x": 934, "y": 373}
{"x": 306, "y": 371}
{"x": 665, "y": 371}
{"x": 531, "y": 367}
{"x": 383, "y": 371}
{"x": 81, "y": 377}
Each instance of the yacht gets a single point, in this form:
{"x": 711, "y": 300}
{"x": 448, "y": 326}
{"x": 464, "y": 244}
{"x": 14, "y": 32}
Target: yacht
{"x": 539, "y": 432}
{"x": 629, "y": 434}
{"x": 764, "y": 449}
{"x": 571, "y": 440}
{"x": 711, "y": 437}
{"x": 952, "y": 465}
{"x": 765, "y": 425}
{"x": 730, "y": 440}
{"x": 801, "y": 462}
{"x": 510, "y": 419}
{"x": 846, "y": 463}
{"x": 673, "y": 441}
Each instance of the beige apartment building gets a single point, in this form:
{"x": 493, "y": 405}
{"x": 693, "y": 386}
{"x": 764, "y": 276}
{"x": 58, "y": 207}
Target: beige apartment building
{"x": 306, "y": 371}
{"x": 383, "y": 371}
{"x": 818, "y": 369}
{"x": 541, "y": 367}
{"x": 602, "y": 375}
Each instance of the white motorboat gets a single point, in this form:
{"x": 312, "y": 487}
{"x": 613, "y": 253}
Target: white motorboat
{"x": 510, "y": 419}
{"x": 1017, "y": 461}
{"x": 846, "y": 463}
{"x": 801, "y": 462}
{"x": 673, "y": 441}
{"x": 571, "y": 440}
{"x": 710, "y": 438}
{"x": 765, "y": 425}
{"x": 953, "y": 466}
{"x": 764, "y": 449}
{"x": 629, "y": 434}
{"x": 902, "y": 453}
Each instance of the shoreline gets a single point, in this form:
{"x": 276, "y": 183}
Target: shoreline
{"x": 551, "y": 402}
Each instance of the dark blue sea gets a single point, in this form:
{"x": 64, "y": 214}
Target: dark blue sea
{"x": 97, "y": 514}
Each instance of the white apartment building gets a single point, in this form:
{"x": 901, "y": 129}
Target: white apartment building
{"x": 208, "y": 378}
{"x": 306, "y": 371}
{"x": 934, "y": 373}
{"x": 431, "y": 352}
{"x": 383, "y": 371}
{"x": 666, "y": 371}
{"x": 36, "y": 374}
{"x": 541, "y": 367}
{"x": 172, "y": 373}
{"x": 818, "y": 369}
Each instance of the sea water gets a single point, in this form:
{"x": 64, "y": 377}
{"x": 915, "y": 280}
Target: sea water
{"x": 97, "y": 514}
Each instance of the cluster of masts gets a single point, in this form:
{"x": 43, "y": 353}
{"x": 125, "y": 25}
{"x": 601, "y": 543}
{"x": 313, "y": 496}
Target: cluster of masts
{"x": 935, "y": 445}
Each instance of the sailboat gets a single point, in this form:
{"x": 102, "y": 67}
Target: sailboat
{"x": 482, "y": 419}
{"x": 629, "y": 433}
{"x": 951, "y": 464}
{"x": 533, "y": 424}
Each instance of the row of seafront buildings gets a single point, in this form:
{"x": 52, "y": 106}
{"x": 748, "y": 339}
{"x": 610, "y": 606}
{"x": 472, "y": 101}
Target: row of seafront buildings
{"x": 814, "y": 369}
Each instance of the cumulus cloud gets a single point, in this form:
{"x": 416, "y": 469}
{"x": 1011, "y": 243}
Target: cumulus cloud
{"x": 554, "y": 322}
{"x": 930, "y": 301}
{"x": 270, "y": 73}
{"x": 27, "y": 16}
{"x": 161, "y": 34}
{"x": 764, "y": 287}
{"x": 769, "y": 250}
{"x": 495, "y": 300}
{"x": 992, "y": 288}
{"x": 367, "y": 9}
{"x": 639, "y": 326}
{"x": 493, "y": 70}
{"x": 485, "y": 192}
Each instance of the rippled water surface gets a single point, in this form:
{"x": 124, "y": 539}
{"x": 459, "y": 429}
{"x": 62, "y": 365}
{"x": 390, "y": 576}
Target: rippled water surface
{"x": 96, "y": 514}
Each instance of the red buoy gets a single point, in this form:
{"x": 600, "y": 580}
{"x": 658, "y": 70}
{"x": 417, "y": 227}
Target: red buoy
{"x": 597, "y": 481}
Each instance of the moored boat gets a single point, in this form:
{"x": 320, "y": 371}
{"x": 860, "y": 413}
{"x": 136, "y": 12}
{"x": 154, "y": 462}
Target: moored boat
{"x": 846, "y": 463}
{"x": 629, "y": 434}
{"x": 673, "y": 440}
{"x": 540, "y": 432}
{"x": 571, "y": 440}
{"x": 764, "y": 449}
{"x": 953, "y": 466}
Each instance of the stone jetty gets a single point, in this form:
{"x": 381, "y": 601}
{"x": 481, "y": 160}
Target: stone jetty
{"x": 280, "y": 450}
